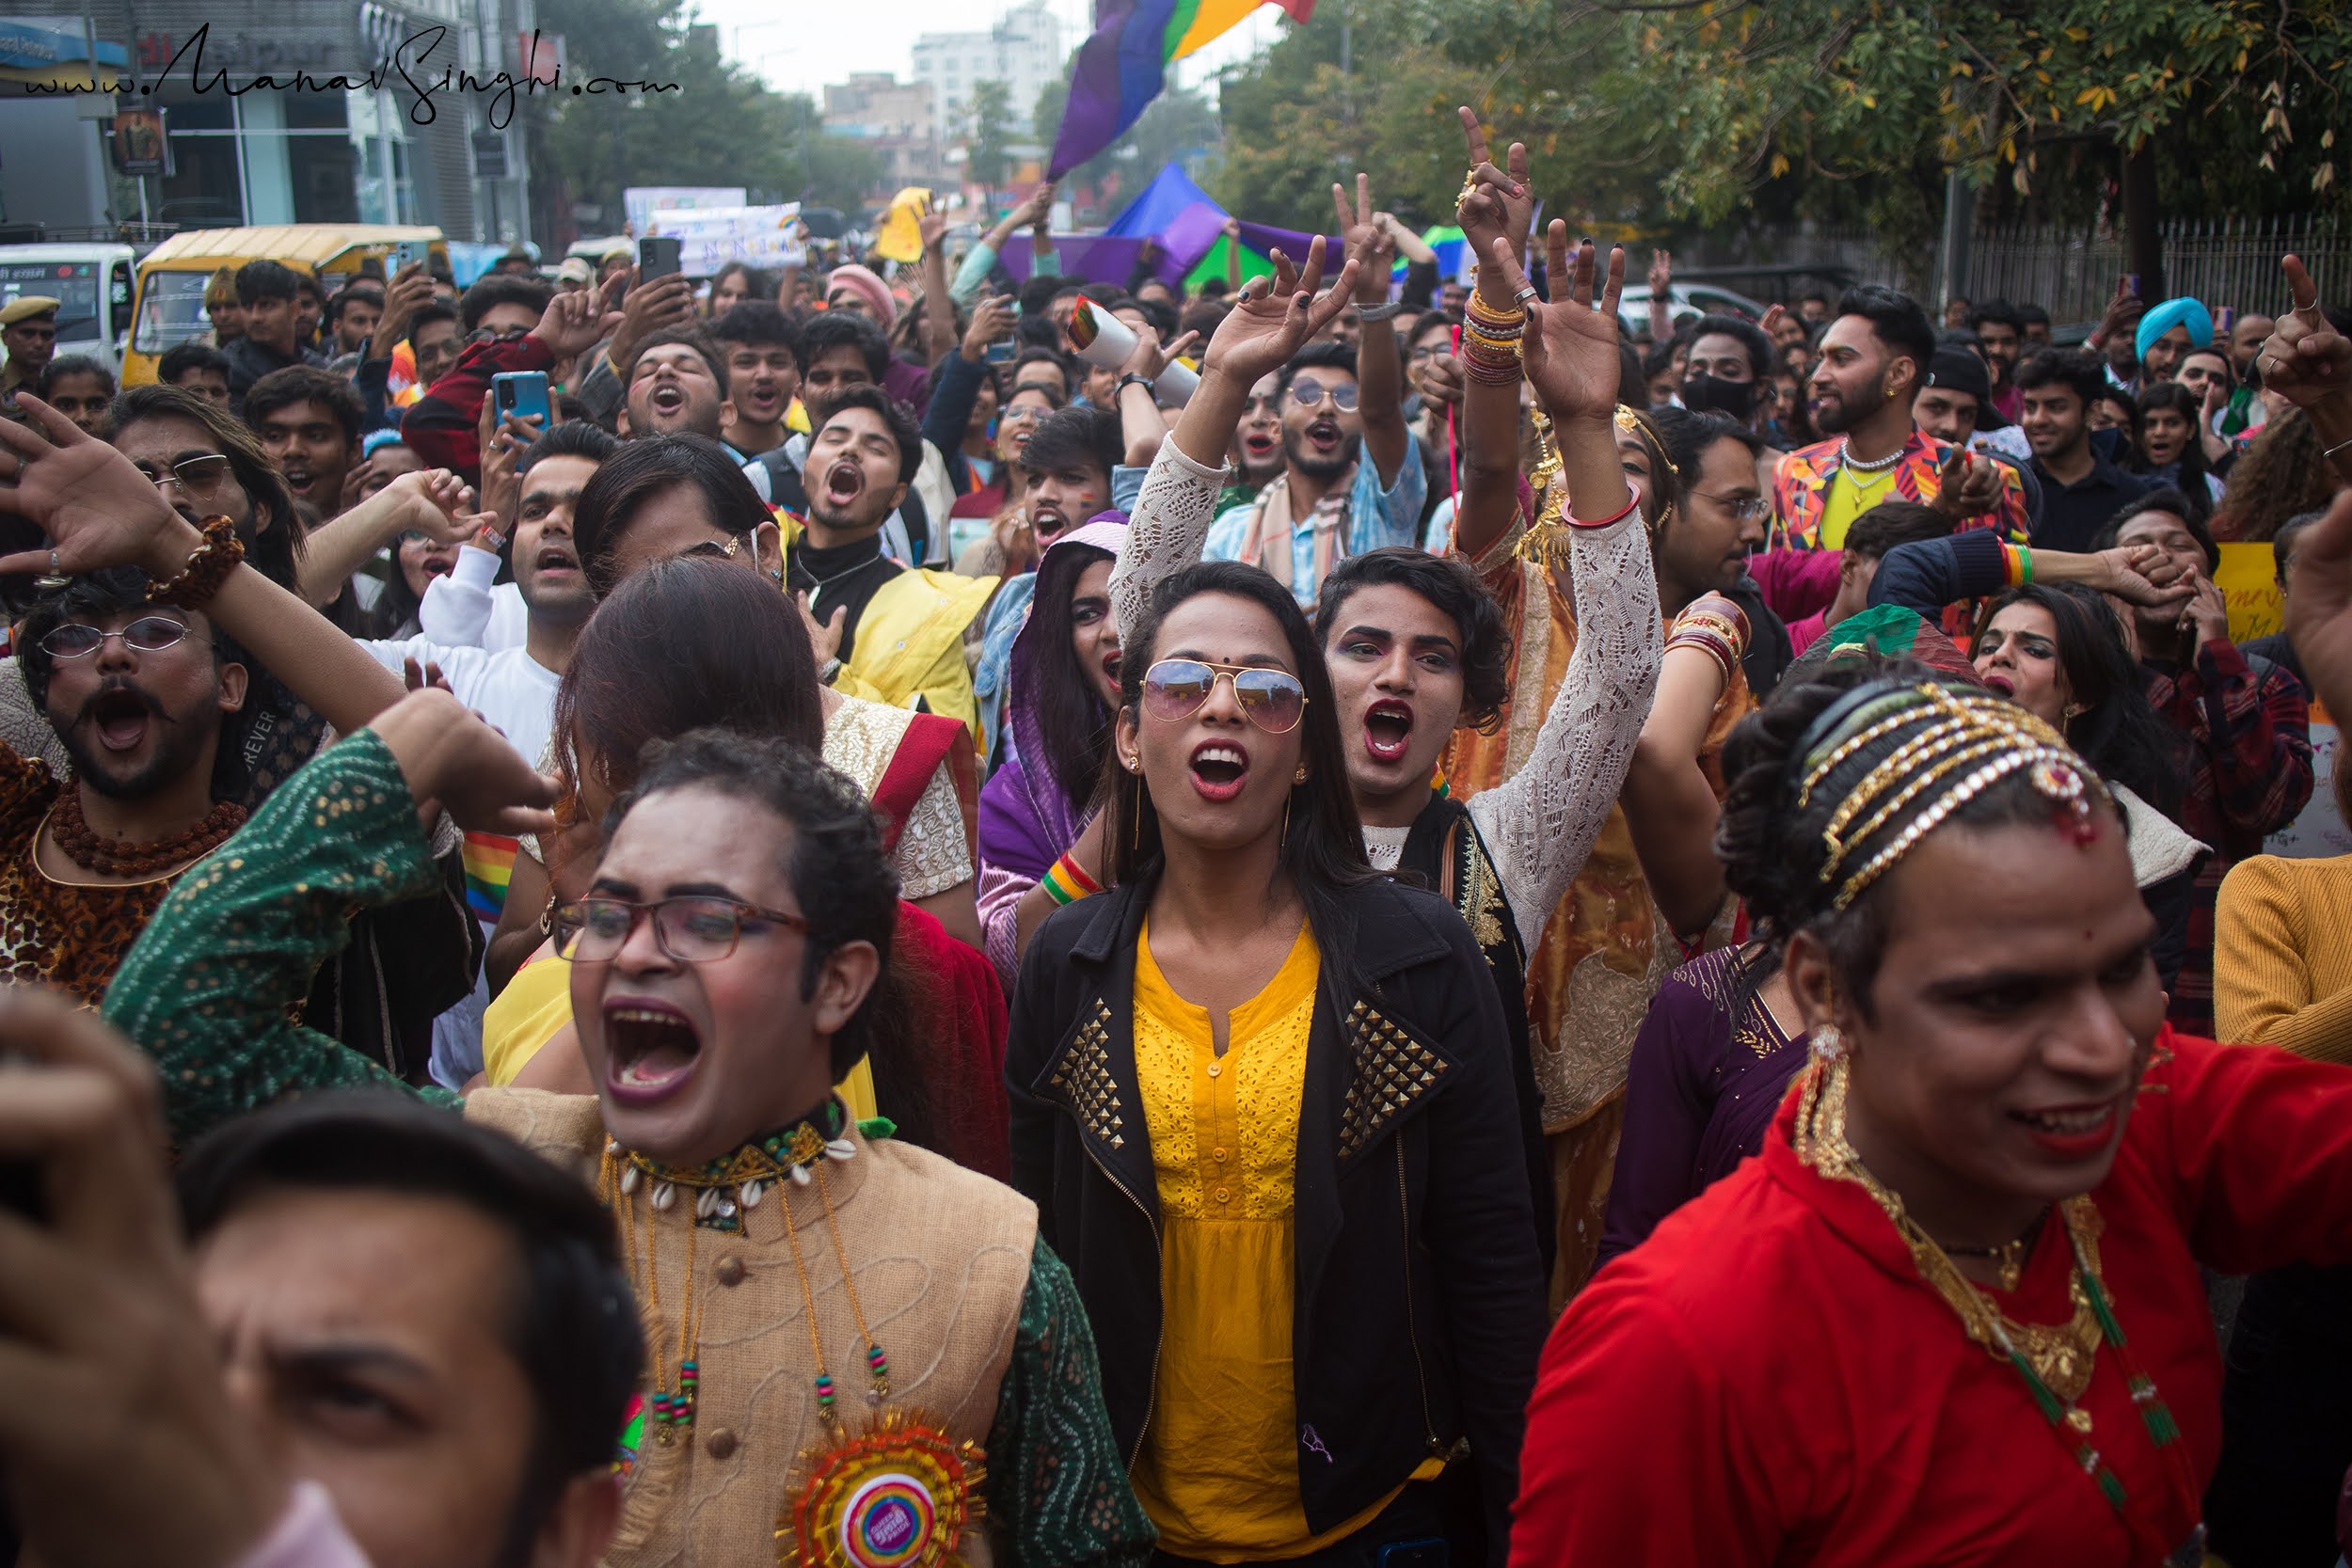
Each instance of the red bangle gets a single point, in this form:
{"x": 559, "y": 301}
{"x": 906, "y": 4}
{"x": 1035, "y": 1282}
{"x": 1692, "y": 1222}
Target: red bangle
{"x": 1606, "y": 522}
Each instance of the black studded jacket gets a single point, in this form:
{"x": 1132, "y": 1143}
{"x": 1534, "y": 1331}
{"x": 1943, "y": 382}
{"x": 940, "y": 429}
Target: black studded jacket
{"x": 1417, "y": 1298}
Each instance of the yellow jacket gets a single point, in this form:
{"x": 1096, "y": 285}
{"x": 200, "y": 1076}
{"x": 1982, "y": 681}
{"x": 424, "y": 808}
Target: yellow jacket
{"x": 910, "y": 640}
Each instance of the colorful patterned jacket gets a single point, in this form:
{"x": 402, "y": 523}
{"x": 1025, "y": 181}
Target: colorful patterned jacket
{"x": 1801, "y": 489}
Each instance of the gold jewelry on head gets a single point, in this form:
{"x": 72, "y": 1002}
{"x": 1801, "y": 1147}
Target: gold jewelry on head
{"x": 1963, "y": 744}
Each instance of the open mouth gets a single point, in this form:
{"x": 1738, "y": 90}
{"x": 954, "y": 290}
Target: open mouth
{"x": 1046, "y": 522}
{"x": 1324, "y": 436}
{"x": 650, "y": 1048}
{"x": 1388, "y": 730}
{"x": 120, "y": 717}
{"x": 1219, "y": 769}
{"x": 1259, "y": 446}
{"x": 299, "y": 480}
{"x": 843, "y": 483}
{"x": 2071, "y": 1132}
{"x": 667, "y": 399}
{"x": 555, "y": 558}
{"x": 1111, "y": 666}
{"x": 2001, "y": 684}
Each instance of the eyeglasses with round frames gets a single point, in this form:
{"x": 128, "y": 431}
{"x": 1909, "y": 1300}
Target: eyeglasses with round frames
{"x": 148, "y": 634}
{"x": 692, "y": 930}
{"x": 1176, "y": 689}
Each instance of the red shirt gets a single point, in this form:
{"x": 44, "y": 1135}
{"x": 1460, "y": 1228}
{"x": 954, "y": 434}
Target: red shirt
{"x": 1767, "y": 1379}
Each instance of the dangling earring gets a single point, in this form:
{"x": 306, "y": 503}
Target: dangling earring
{"x": 1829, "y": 1043}
{"x": 1286, "y": 823}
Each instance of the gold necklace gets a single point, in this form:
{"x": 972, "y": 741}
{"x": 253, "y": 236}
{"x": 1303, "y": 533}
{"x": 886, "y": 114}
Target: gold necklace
{"x": 2061, "y": 1355}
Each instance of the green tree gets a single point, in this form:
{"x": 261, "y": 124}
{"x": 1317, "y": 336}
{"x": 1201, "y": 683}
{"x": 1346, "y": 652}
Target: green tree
{"x": 989, "y": 129}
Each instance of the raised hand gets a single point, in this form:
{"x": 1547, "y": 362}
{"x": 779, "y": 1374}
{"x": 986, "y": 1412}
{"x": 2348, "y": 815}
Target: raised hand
{"x": 992, "y": 319}
{"x": 1367, "y": 240}
{"x": 1495, "y": 202}
{"x": 1570, "y": 349}
{"x": 436, "y": 498}
{"x": 2125, "y": 308}
{"x": 2305, "y": 360}
{"x": 577, "y": 322}
{"x": 403, "y": 296}
{"x": 1662, "y": 274}
{"x": 1038, "y": 208}
{"x": 97, "y": 510}
{"x": 502, "y": 485}
{"x": 933, "y": 225}
{"x": 1271, "y": 317}
{"x": 1150, "y": 356}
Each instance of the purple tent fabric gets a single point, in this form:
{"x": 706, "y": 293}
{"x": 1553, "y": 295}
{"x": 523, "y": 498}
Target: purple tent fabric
{"x": 1088, "y": 258}
{"x": 1168, "y": 197}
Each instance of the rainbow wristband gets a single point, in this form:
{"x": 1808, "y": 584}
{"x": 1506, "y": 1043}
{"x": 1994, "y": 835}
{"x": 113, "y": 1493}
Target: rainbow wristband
{"x": 1065, "y": 881}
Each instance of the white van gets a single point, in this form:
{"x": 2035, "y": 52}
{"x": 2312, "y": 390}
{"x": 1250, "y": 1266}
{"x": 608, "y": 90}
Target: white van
{"x": 94, "y": 283}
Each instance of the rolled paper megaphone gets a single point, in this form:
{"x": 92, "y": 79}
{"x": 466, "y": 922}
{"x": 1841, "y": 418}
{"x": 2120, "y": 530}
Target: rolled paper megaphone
{"x": 1176, "y": 384}
{"x": 1099, "y": 338}
{"x": 1102, "y": 338}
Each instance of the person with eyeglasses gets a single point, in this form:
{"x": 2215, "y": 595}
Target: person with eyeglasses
{"x": 1253, "y": 1094}
{"x": 1339, "y": 407}
{"x": 844, "y": 1331}
{"x": 140, "y": 655}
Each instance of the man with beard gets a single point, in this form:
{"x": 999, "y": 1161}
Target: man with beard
{"x": 513, "y": 688}
{"x": 352, "y": 315}
{"x": 143, "y": 692}
{"x": 2000, "y": 338}
{"x": 1874, "y": 359}
{"x": 676, "y": 386}
{"x": 271, "y": 340}
{"x": 1339, "y": 407}
{"x": 310, "y": 422}
{"x": 841, "y": 351}
{"x": 2080, "y": 489}
{"x": 28, "y": 334}
{"x": 762, "y": 360}
{"x": 886, "y": 632}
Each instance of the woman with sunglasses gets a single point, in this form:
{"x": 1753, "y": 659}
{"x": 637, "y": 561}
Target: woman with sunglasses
{"x": 1253, "y": 1093}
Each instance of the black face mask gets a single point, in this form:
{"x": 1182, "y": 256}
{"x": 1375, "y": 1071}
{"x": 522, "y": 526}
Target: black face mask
{"x": 1702, "y": 393}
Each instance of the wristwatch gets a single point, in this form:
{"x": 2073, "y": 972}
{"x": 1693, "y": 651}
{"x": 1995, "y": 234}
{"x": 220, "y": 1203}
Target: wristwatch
{"x": 1390, "y": 312}
{"x": 832, "y": 667}
{"x": 1131, "y": 379}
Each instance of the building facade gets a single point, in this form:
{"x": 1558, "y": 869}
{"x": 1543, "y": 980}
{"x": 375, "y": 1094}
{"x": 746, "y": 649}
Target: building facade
{"x": 1024, "y": 50}
{"x": 303, "y": 148}
{"x": 898, "y": 119}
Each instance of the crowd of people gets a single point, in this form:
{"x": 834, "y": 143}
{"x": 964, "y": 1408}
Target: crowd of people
{"x": 1410, "y": 925}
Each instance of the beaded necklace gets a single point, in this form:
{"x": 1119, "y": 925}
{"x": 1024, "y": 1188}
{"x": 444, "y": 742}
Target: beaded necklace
{"x": 901, "y": 1493}
{"x": 724, "y": 1189}
{"x": 2054, "y": 1363}
{"x": 118, "y": 857}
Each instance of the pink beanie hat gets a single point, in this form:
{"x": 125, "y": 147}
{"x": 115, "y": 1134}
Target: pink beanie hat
{"x": 861, "y": 281}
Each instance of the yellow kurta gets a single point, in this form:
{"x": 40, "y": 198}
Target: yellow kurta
{"x": 1218, "y": 1472}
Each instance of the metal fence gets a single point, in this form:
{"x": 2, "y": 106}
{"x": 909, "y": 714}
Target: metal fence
{"x": 2233, "y": 261}
{"x": 2070, "y": 273}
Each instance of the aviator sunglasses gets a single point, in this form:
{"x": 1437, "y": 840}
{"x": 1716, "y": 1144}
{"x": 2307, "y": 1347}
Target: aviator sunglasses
{"x": 1175, "y": 689}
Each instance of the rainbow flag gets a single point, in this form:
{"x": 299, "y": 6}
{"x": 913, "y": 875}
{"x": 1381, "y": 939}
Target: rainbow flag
{"x": 489, "y": 860}
{"x": 1124, "y": 64}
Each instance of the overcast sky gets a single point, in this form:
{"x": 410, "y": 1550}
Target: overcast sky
{"x": 823, "y": 42}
